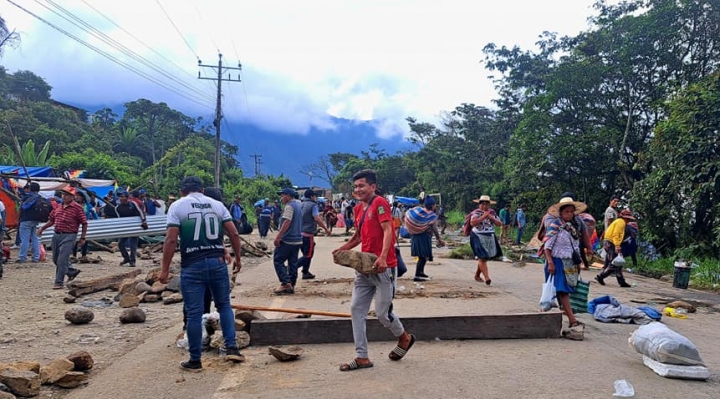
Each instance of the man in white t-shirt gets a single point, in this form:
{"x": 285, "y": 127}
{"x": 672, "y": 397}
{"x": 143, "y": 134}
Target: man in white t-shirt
{"x": 200, "y": 223}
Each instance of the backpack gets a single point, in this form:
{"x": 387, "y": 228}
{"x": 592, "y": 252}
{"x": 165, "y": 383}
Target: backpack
{"x": 467, "y": 228}
{"x": 40, "y": 211}
{"x": 244, "y": 227}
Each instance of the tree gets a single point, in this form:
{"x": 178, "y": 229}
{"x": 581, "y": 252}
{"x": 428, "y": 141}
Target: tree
{"x": 586, "y": 106}
{"x": 104, "y": 119}
{"x": 127, "y": 140}
{"x": 150, "y": 119}
{"x": 8, "y": 38}
{"x": 98, "y": 165}
{"x": 678, "y": 198}
{"x": 25, "y": 86}
{"x": 323, "y": 169}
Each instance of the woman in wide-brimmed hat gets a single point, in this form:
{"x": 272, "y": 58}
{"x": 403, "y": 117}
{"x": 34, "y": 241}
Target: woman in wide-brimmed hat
{"x": 614, "y": 236}
{"x": 562, "y": 251}
{"x": 482, "y": 239}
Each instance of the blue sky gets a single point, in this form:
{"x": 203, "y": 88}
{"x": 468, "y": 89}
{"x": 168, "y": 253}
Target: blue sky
{"x": 310, "y": 68}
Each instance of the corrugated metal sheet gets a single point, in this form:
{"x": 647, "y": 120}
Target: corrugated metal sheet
{"x": 108, "y": 229}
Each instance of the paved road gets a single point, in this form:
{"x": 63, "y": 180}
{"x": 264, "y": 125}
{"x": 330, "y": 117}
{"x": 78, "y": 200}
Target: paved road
{"x": 547, "y": 368}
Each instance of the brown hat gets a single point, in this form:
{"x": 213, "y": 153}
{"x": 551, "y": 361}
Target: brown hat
{"x": 484, "y": 198}
{"x": 627, "y": 214}
{"x": 554, "y": 209}
{"x": 69, "y": 190}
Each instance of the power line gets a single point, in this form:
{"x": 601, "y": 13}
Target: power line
{"x": 136, "y": 39}
{"x": 105, "y": 54}
{"x": 207, "y": 31}
{"x": 177, "y": 30}
{"x": 115, "y": 44}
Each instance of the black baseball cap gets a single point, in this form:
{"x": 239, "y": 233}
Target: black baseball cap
{"x": 191, "y": 184}
{"x": 288, "y": 191}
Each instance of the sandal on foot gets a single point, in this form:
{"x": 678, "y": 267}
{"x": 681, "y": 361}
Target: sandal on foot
{"x": 488, "y": 281}
{"x": 354, "y": 365}
{"x": 479, "y": 279}
{"x": 577, "y": 323}
{"x": 398, "y": 353}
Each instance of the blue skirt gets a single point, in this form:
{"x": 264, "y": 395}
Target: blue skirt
{"x": 565, "y": 274}
{"x": 421, "y": 245}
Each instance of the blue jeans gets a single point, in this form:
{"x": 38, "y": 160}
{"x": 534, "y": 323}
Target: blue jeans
{"x": 286, "y": 253}
{"x": 519, "y": 235}
{"x": 263, "y": 226}
{"x": 132, "y": 243}
{"x": 196, "y": 277}
{"x": 28, "y": 234}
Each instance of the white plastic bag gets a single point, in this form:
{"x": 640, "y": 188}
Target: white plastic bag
{"x": 548, "y": 294}
{"x": 619, "y": 261}
{"x": 623, "y": 389}
{"x": 658, "y": 342}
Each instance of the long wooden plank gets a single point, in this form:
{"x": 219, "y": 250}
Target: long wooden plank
{"x": 291, "y": 310}
{"x": 321, "y": 331}
{"x": 78, "y": 288}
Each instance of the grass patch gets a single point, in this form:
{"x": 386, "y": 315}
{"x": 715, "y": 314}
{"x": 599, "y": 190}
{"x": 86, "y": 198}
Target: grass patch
{"x": 705, "y": 276}
{"x": 462, "y": 252}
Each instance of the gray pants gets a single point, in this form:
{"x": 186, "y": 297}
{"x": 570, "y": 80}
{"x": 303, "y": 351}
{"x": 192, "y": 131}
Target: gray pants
{"x": 62, "y": 247}
{"x": 364, "y": 288}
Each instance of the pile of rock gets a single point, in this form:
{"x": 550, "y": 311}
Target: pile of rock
{"x": 211, "y": 324}
{"x": 25, "y": 378}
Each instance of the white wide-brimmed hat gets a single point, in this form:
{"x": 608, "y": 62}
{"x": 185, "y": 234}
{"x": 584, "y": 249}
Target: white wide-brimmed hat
{"x": 554, "y": 209}
{"x": 484, "y": 198}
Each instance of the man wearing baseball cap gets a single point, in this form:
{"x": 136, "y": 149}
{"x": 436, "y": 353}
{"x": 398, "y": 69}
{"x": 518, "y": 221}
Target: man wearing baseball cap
{"x": 310, "y": 221}
{"x": 67, "y": 219}
{"x": 287, "y": 243}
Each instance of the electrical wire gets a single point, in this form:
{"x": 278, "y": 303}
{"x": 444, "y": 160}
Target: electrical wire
{"x": 202, "y": 22}
{"x": 79, "y": 23}
{"x": 177, "y": 30}
{"x": 106, "y": 55}
{"x": 138, "y": 40}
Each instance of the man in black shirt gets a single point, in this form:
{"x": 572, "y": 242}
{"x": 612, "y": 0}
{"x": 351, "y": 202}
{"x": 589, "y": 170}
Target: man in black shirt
{"x": 127, "y": 208}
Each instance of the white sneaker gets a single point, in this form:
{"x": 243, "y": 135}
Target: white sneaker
{"x": 15, "y": 247}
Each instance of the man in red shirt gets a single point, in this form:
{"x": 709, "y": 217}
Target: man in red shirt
{"x": 67, "y": 219}
{"x": 375, "y": 232}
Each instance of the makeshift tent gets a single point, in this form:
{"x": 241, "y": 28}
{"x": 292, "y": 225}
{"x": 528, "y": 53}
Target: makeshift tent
{"x": 15, "y": 176}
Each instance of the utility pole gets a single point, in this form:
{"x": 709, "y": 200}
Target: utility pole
{"x": 257, "y": 163}
{"x": 218, "y": 105}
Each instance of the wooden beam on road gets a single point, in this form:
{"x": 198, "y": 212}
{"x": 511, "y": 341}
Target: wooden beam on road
{"x": 322, "y": 331}
{"x": 79, "y": 288}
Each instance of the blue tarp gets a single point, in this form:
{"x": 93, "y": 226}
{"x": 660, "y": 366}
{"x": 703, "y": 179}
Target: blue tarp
{"x": 407, "y": 200}
{"x": 34, "y": 171}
